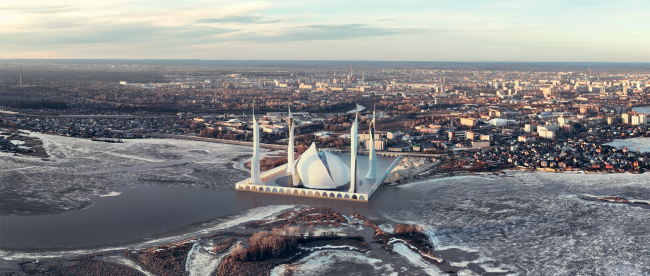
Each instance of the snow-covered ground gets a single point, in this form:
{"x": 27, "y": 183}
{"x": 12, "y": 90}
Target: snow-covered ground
{"x": 200, "y": 262}
{"x": 126, "y": 262}
{"x": 536, "y": 223}
{"x": 415, "y": 259}
{"x": 79, "y": 168}
{"x": 643, "y": 143}
{"x": 336, "y": 262}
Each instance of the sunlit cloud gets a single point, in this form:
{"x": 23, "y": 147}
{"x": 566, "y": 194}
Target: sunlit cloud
{"x": 383, "y": 30}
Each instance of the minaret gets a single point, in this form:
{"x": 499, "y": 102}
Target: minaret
{"x": 354, "y": 173}
{"x": 290, "y": 157}
{"x": 255, "y": 161}
{"x": 372, "y": 156}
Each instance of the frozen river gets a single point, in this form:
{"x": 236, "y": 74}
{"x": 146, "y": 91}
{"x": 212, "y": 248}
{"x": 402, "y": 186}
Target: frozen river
{"x": 526, "y": 224}
{"x": 642, "y": 109}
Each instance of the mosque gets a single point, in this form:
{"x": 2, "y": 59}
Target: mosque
{"x": 321, "y": 173}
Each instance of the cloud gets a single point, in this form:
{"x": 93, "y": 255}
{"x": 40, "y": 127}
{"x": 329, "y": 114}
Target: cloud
{"x": 242, "y": 19}
{"x": 386, "y": 30}
{"x": 158, "y": 36}
{"x": 45, "y": 7}
{"x": 49, "y": 9}
{"x": 331, "y": 32}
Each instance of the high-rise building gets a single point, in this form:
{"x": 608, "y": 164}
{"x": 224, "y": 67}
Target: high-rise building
{"x": 625, "y": 118}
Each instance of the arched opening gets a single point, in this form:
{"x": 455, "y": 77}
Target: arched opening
{"x": 310, "y": 193}
{"x": 248, "y": 188}
{"x": 324, "y": 194}
{"x": 261, "y": 189}
{"x": 275, "y": 190}
{"x": 303, "y": 193}
{"x": 332, "y": 195}
{"x": 295, "y": 192}
{"x": 268, "y": 189}
{"x": 288, "y": 191}
{"x": 361, "y": 197}
{"x": 317, "y": 194}
{"x": 282, "y": 190}
{"x": 346, "y": 196}
{"x": 339, "y": 195}
{"x": 354, "y": 196}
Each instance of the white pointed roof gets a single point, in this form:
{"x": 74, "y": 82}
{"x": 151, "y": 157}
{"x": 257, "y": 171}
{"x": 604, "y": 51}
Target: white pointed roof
{"x": 322, "y": 170}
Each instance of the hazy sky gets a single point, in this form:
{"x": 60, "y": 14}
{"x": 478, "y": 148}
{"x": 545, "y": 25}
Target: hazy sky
{"x": 427, "y": 30}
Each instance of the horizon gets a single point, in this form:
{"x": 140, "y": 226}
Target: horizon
{"x": 233, "y": 64}
{"x": 324, "y": 60}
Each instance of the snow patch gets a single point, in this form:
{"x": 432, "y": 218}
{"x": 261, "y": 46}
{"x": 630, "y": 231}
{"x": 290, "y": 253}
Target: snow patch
{"x": 200, "y": 262}
{"x": 112, "y": 193}
{"x": 317, "y": 248}
{"x": 387, "y": 228}
{"x": 319, "y": 262}
{"x": 416, "y": 259}
{"x": 492, "y": 269}
{"x": 466, "y": 272}
{"x": 460, "y": 264}
{"x": 126, "y": 262}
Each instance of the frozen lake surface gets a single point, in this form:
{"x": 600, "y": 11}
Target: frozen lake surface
{"x": 527, "y": 224}
{"x": 642, "y": 109}
{"x": 643, "y": 143}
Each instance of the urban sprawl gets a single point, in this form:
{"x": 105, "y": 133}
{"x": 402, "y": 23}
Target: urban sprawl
{"x": 470, "y": 120}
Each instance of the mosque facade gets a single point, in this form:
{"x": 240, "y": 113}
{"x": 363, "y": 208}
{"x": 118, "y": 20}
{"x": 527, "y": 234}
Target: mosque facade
{"x": 320, "y": 173}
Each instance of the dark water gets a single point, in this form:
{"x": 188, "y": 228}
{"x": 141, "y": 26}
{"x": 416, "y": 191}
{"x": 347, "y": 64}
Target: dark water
{"x": 136, "y": 213}
{"x": 143, "y": 212}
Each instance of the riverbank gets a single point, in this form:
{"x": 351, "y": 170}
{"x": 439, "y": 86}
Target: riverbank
{"x": 21, "y": 143}
{"x": 309, "y": 230}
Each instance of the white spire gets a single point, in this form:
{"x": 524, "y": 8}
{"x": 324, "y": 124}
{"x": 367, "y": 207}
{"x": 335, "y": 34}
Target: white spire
{"x": 372, "y": 156}
{"x": 354, "y": 176}
{"x": 255, "y": 161}
{"x": 290, "y": 149}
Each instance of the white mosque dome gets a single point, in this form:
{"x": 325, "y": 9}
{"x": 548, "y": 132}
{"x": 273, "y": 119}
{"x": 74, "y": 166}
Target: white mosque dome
{"x": 322, "y": 170}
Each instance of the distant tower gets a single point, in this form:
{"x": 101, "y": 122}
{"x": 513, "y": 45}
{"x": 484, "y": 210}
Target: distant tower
{"x": 20, "y": 78}
{"x": 372, "y": 156}
{"x": 290, "y": 157}
{"x": 255, "y": 161}
{"x": 354, "y": 173}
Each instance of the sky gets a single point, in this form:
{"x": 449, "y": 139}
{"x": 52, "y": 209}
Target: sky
{"x": 406, "y": 30}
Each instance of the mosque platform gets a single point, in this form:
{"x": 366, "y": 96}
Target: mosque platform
{"x": 278, "y": 181}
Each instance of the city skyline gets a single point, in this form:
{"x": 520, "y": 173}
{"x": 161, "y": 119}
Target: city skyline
{"x": 547, "y": 31}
